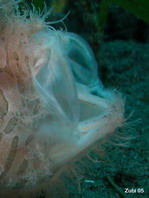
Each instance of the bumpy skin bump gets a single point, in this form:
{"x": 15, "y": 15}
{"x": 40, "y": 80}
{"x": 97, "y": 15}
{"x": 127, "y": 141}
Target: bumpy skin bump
{"x": 47, "y": 112}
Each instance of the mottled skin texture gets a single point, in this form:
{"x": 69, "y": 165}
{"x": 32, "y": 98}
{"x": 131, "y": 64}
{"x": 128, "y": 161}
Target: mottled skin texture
{"x": 17, "y": 106}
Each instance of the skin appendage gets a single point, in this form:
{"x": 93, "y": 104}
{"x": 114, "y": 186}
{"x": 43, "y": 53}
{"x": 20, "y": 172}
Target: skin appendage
{"x": 48, "y": 112}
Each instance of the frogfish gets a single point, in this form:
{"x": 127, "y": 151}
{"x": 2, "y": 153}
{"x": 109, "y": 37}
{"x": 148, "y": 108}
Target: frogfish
{"x": 53, "y": 105}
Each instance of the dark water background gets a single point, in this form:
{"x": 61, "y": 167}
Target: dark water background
{"x": 122, "y": 52}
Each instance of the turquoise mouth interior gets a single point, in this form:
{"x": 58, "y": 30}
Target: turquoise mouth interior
{"x": 89, "y": 110}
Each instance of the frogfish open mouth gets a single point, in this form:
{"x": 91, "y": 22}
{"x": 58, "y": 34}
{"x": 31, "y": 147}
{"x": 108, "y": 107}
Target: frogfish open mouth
{"x": 52, "y": 104}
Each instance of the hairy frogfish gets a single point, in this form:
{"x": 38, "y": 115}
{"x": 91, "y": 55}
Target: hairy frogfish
{"x": 53, "y": 106}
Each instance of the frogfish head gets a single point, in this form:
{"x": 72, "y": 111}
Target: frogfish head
{"x": 48, "y": 112}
